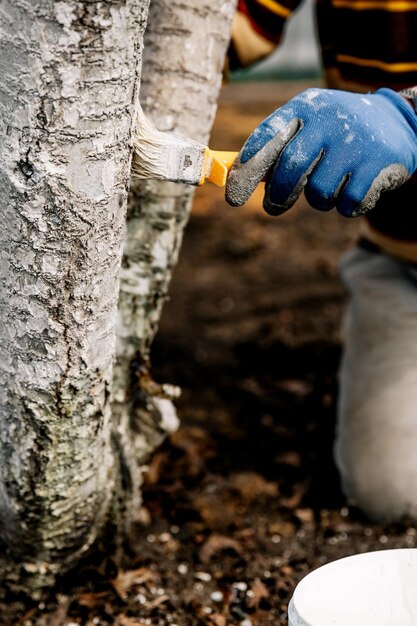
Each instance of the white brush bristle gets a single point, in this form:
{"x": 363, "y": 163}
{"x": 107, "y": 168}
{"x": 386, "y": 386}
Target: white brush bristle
{"x": 165, "y": 156}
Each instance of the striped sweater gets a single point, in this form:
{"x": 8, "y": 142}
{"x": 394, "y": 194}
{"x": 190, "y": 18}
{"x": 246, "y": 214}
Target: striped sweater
{"x": 365, "y": 44}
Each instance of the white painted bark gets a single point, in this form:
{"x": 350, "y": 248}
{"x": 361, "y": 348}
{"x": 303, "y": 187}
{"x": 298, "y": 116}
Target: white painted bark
{"x": 185, "y": 47}
{"x": 70, "y": 456}
{"x": 68, "y": 82}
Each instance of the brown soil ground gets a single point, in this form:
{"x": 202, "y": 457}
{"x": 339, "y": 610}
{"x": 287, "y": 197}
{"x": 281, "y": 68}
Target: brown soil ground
{"x": 244, "y": 499}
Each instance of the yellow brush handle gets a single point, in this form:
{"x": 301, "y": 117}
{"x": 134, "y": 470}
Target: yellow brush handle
{"x": 225, "y": 157}
{"x": 217, "y": 166}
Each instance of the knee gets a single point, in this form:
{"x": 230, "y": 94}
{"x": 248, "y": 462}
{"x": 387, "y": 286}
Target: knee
{"x": 376, "y": 446}
{"x": 380, "y": 476}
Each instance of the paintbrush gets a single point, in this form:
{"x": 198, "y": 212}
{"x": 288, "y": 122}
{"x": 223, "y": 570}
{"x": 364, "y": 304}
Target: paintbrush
{"x": 167, "y": 156}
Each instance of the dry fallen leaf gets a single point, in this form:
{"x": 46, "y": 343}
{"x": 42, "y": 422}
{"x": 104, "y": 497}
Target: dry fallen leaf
{"x": 294, "y": 501}
{"x": 296, "y": 387}
{"x": 124, "y": 581}
{"x": 26, "y": 616}
{"x": 124, "y": 620}
{"x": 216, "y": 544}
{"x": 216, "y": 510}
{"x": 155, "y": 468}
{"x": 306, "y": 516}
{"x": 259, "y": 592}
{"x": 282, "y": 528}
{"x": 292, "y": 458}
{"x": 91, "y": 600}
{"x": 197, "y": 447}
{"x": 216, "y": 619}
{"x": 252, "y": 486}
{"x": 159, "y": 600}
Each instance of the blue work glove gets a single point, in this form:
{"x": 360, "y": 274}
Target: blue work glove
{"x": 344, "y": 149}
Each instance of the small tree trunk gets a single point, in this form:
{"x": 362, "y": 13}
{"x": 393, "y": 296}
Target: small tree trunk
{"x": 185, "y": 47}
{"x": 69, "y": 76}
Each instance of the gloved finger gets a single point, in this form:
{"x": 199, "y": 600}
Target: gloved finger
{"x": 364, "y": 189}
{"x": 324, "y": 184}
{"x": 251, "y": 165}
{"x": 296, "y": 162}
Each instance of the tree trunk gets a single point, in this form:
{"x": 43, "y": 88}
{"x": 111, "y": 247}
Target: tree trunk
{"x": 69, "y": 76}
{"x": 185, "y": 47}
{"x": 73, "y": 432}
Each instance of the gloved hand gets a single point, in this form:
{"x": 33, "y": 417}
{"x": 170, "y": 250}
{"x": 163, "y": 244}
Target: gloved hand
{"x": 344, "y": 150}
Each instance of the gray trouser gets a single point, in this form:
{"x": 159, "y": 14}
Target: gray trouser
{"x": 376, "y": 443}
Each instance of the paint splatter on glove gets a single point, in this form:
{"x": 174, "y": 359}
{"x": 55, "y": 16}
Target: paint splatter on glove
{"x": 344, "y": 150}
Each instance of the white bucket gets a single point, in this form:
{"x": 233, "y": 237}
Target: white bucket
{"x": 371, "y": 589}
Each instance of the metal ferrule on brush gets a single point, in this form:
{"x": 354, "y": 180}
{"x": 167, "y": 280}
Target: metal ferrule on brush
{"x": 167, "y": 156}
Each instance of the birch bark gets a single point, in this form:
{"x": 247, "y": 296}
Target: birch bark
{"x": 70, "y": 453}
{"x": 68, "y": 81}
{"x": 185, "y": 47}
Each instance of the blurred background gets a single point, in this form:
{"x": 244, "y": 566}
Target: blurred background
{"x": 298, "y": 56}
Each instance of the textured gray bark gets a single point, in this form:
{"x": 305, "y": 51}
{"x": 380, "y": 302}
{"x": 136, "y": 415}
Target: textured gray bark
{"x": 185, "y": 47}
{"x": 69, "y": 75}
{"x": 70, "y": 454}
